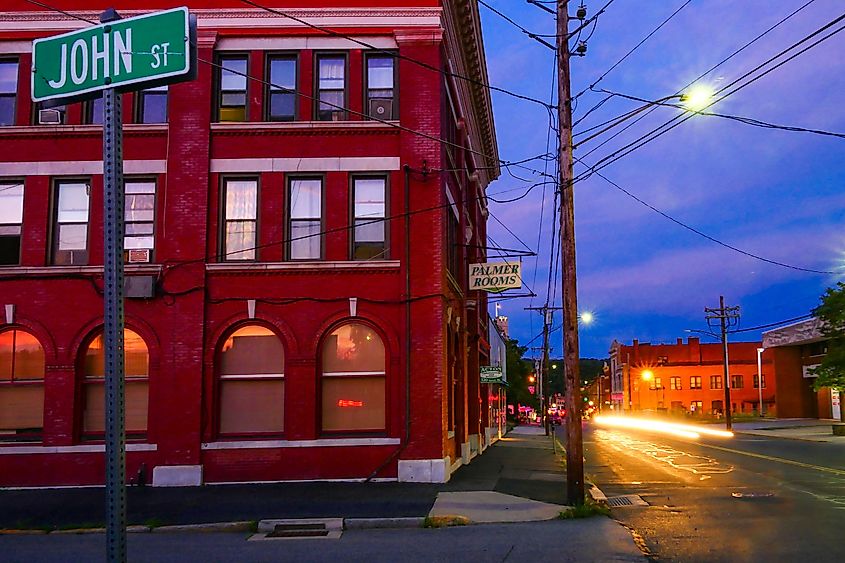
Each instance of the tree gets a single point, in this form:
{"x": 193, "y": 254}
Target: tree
{"x": 831, "y": 312}
{"x": 518, "y": 371}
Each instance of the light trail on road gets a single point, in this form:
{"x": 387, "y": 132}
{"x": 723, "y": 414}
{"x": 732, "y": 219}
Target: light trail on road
{"x": 671, "y": 428}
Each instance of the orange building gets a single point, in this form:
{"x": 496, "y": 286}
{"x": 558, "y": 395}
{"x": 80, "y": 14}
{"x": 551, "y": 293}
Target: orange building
{"x": 689, "y": 377}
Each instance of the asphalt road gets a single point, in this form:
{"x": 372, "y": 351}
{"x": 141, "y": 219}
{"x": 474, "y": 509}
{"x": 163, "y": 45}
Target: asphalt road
{"x": 745, "y": 498}
{"x": 594, "y": 540}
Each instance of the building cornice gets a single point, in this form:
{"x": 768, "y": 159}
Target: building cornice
{"x": 462, "y": 23}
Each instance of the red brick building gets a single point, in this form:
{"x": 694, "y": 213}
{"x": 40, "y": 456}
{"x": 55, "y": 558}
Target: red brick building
{"x": 689, "y": 377}
{"x": 296, "y": 299}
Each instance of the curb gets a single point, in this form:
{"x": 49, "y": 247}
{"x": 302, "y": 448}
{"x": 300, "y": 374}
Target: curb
{"x": 753, "y": 433}
{"x": 213, "y": 527}
{"x": 597, "y": 495}
{"x": 382, "y": 523}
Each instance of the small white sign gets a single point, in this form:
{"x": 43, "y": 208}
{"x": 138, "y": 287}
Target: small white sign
{"x": 495, "y": 277}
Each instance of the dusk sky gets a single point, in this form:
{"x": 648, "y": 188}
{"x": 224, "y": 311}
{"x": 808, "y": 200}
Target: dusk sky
{"x": 777, "y": 194}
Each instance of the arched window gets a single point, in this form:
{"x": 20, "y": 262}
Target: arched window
{"x": 252, "y": 383}
{"x": 353, "y": 382}
{"x": 136, "y": 386}
{"x": 21, "y": 386}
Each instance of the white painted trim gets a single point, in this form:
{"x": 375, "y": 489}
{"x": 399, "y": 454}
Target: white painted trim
{"x": 323, "y": 443}
{"x": 76, "y": 167}
{"x": 134, "y": 269}
{"x": 273, "y": 376}
{"x": 356, "y": 480}
{"x": 272, "y": 266}
{"x": 15, "y": 47}
{"x": 79, "y": 449}
{"x": 338, "y": 164}
{"x": 345, "y": 373}
{"x": 298, "y": 43}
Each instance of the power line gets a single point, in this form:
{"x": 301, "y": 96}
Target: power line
{"x": 637, "y": 46}
{"x": 705, "y": 235}
{"x": 530, "y": 34}
{"x": 392, "y": 53}
{"x": 770, "y": 325}
{"x": 708, "y": 71}
{"x": 674, "y": 122}
{"x": 741, "y": 119}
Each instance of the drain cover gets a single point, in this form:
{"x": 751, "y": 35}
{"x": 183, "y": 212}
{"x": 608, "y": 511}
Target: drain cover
{"x": 330, "y": 528}
{"x": 626, "y": 500}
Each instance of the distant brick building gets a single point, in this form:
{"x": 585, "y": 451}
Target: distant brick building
{"x": 795, "y": 350}
{"x": 688, "y": 377}
{"x": 292, "y": 314}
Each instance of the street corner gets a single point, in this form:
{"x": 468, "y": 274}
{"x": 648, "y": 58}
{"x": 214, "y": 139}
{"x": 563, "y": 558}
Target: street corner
{"x": 485, "y": 507}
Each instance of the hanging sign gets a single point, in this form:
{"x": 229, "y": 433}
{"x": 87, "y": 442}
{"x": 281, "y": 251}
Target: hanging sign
{"x": 491, "y": 374}
{"x": 495, "y": 277}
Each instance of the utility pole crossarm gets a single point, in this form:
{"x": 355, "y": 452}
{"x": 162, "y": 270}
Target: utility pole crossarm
{"x": 727, "y": 316}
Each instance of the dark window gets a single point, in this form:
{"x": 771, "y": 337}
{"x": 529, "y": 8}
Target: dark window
{"x": 305, "y": 213}
{"x": 368, "y": 214}
{"x": 281, "y": 105}
{"x": 453, "y": 262}
{"x": 231, "y": 101}
{"x": 736, "y": 382}
{"x": 152, "y": 105}
{"x": 11, "y": 219}
{"x": 381, "y": 90}
{"x": 331, "y": 87}
{"x": 675, "y": 383}
{"x": 816, "y": 348}
{"x": 70, "y": 234}
{"x": 8, "y": 91}
{"x": 715, "y": 382}
{"x": 757, "y": 382}
{"x": 240, "y": 214}
{"x": 139, "y": 211}
{"x": 716, "y": 407}
{"x": 93, "y": 111}
{"x": 695, "y": 382}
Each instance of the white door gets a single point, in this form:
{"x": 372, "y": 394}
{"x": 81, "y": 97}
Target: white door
{"x": 836, "y": 404}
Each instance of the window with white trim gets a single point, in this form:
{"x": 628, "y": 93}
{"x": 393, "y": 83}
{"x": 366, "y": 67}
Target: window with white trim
{"x": 11, "y": 220}
{"x": 369, "y": 211}
{"x": 70, "y": 232}
{"x": 353, "y": 380}
{"x": 8, "y": 90}
{"x": 240, "y": 218}
{"x": 331, "y": 87}
{"x": 251, "y": 380}
{"x": 152, "y": 105}
{"x": 136, "y": 386}
{"x": 139, "y": 212}
{"x": 21, "y": 386}
{"x": 305, "y": 219}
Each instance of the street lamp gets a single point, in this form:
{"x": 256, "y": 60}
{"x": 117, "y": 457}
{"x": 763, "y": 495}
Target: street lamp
{"x": 760, "y": 379}
{"x": 698, "y": 98}
{"x": 647, "y": 375}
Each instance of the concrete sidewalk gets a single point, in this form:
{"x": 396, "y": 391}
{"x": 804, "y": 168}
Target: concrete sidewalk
{"x": 808, "y": 429}
{"x": 519, "y": 475}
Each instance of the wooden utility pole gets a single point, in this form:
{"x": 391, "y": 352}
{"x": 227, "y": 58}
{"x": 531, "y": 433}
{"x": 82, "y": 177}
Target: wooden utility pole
{"x": 727, "y": 317}
{"x": 545, "y": 381}
{"x": 572, "y": 378}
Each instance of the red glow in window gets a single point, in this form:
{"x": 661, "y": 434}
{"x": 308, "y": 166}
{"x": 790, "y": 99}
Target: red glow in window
{"x": 348, "y": 403}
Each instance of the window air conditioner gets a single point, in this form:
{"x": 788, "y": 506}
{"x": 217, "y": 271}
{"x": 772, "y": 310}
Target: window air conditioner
{"x": 139, "y": 256}
{"x": 52, "y": 116}
{"x": 381, "y": 108}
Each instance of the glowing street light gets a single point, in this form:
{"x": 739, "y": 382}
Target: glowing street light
{"x": 698, "y": 97}
{"x": 647, "y": 375}
{"x": 586, "y": 317}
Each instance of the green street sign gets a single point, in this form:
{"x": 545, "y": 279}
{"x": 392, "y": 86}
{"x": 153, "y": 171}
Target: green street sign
{"x": 143, "y": 51}
{"x": 491, "y": 374}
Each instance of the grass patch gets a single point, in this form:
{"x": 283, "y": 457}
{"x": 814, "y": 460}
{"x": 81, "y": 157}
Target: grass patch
{"x": 253, "y": 526}
{"x": 83, "y": 526}
{"x": 585, "y": 511}
{"x": 153, "y": 523}
{"x": 444, "y": 521}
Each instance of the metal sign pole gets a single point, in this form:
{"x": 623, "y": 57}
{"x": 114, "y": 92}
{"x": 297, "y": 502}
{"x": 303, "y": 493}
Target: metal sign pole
{"x": 113, "y": 203}
{"x": 113, "y": 330}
